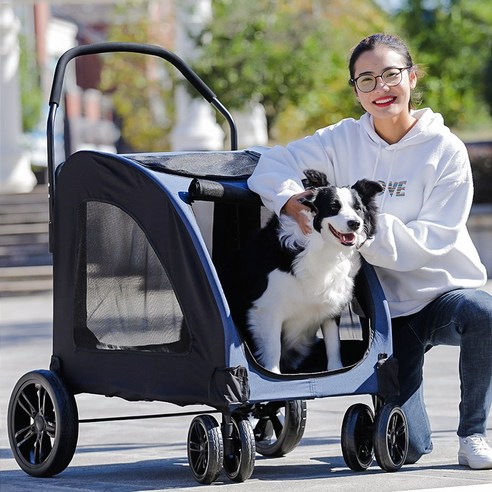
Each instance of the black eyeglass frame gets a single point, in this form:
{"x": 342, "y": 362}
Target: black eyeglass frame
{"x": 353, "y": 82}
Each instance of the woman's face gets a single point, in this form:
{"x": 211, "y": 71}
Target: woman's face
{"x": 384, "y": 102}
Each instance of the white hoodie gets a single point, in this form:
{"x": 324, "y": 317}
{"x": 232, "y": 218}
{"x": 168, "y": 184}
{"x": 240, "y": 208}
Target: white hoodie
{"x": 422, "y": 247}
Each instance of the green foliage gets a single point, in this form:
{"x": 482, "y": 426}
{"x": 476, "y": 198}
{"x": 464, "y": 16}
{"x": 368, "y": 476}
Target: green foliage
{"x": 30, "y": 87}
{"x": 452, "y": 41}
{"x": 289, "y": 55}
{"x": 140, "y": 86}
{"x": 292, "y": 56}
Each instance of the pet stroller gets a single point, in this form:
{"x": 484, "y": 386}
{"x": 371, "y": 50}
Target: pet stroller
{"x": 139, "y": 312}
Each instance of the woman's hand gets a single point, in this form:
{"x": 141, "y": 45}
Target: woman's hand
{"x": 298, "y": 211}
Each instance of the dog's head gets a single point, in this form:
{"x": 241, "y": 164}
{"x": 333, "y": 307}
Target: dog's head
{"x": 346, "y": 215}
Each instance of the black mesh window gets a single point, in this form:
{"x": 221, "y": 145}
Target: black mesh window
{"x": 129, "y": 300}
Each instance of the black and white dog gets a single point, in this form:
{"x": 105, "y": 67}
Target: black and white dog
{"x": 284, "y": 285}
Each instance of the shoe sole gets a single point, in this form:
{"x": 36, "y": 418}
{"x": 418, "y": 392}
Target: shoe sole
{"x": 462, "y": 460}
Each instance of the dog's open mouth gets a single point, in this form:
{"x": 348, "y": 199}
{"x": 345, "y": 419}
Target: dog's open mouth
{"x": 347, "y": 239}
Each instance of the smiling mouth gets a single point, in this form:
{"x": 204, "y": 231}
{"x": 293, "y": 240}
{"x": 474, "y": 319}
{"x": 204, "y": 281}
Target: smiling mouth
{"x": 383, "y": 102}
{"x": 347, "y": 239}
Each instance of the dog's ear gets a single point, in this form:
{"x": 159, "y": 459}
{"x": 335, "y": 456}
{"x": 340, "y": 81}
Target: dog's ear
{"x": 308, "y": 201}
{"x": 314, "y": 179}
{"x": 367, "y": 189}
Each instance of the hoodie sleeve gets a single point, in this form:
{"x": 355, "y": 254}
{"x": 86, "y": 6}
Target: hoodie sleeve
{"x": 408, "y": 246}
{"x": 280, "y": 170}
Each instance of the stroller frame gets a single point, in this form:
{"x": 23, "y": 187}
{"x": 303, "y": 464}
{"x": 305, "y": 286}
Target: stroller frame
{"x": 148, "y": 200}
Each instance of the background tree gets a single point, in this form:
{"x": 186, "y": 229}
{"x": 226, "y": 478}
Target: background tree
{"x": 290, "y": 55}
{"x": 142, "y": 87}
{"x": 30, "y": 86}
{"x": 452, "y": 40}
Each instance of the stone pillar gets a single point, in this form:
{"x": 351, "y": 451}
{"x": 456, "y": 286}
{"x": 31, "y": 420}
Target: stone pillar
{"x": 251, "y": 125}
{"x": 196, "y": 127}
{"x": 16, "y": 175}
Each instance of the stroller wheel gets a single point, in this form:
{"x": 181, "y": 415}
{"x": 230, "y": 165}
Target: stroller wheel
{"x": 239, "y": 465}
{"x": 356, "y": 436}
{"x": 205, "y": 448}
{"x": 278, "y": 426}
{"x": 42, "y": 424}
{"x": 390, "y": 437}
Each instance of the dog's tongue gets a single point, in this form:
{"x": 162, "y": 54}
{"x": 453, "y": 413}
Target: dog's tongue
{"x": 347, "y": 239}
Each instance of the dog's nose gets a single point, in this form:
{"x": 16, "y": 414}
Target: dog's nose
{"x": 353, "y": 225}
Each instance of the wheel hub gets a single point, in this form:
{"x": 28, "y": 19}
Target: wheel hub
{"x": 39, "y": 423}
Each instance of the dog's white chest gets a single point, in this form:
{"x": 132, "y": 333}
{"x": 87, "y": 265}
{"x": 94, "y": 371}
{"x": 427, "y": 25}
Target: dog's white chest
{"x": 309, "y": 296}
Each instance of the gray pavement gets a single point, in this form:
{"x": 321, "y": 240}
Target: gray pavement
{"x": 142, "y": 455}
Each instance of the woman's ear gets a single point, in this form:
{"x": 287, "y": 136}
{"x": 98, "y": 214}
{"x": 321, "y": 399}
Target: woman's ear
{"x": 413, "y": 78}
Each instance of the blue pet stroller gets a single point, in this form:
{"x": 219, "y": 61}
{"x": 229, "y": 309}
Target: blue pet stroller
{"x": 139, "y": 313}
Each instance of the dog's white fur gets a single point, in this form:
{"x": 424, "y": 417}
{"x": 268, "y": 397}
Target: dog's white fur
{"x": 295, "y": 305}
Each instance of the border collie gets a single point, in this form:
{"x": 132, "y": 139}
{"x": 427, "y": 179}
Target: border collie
{"x": 284, "y": 285}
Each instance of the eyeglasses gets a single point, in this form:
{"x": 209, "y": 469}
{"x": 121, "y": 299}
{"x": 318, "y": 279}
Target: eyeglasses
{"x": 368, "y": 82}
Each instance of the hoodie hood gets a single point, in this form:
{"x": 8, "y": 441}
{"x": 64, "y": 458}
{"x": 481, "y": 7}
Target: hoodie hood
{"x": 428, "y": 126}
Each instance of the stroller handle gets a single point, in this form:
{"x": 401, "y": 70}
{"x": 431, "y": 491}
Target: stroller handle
{"x": 110, "y": 47}
{"x": 114, "y": 47}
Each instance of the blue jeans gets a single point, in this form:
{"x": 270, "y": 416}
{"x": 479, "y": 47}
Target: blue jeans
{"x": 461, "y": 318}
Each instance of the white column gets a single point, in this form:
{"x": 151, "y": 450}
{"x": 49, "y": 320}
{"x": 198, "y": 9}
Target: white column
{"x": 196, "y": 127}
{"x": 251, "y": 125}
{"x": 16, "y": 175}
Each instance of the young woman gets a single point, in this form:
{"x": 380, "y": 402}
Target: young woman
{"x": 428, "y": 266}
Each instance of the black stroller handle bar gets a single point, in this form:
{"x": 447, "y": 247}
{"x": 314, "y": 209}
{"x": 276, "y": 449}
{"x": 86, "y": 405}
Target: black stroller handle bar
{"x": 115, "y": 47}
{"x": 99, "y": 48}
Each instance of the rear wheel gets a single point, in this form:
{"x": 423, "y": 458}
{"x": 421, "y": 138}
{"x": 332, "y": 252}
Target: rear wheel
{"x": 278, "y": 426}
{"x": 205, "y": 449}
{"x": 42, "y": 424}
{"x": 357, "y": 437}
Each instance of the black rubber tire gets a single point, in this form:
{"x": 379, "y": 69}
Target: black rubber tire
{"x": 240, "y": 464}
{"x": 43, "y": 424}
{"x": 278, "y": 426}
{"x": 205, "y": 449}
{"x": 390, "y": 437}
{"x": 357, "y": 437}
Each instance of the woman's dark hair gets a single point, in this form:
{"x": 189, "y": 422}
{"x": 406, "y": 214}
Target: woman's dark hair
{"x": 389, "y": 41}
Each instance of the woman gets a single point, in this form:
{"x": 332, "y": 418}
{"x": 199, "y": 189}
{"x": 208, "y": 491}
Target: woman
{"x": 427, "y": 264}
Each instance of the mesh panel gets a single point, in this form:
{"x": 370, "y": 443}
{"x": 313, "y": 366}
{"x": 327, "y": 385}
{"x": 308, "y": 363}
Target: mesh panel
{"x": 234, "y": 164}
{"x": 130, "y": 302}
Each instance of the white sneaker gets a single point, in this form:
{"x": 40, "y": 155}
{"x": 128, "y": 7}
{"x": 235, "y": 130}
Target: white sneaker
{"x": 475, "y": 452}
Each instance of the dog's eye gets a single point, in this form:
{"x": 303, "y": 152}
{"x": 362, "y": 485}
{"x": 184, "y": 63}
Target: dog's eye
{"x": 357, "y": 205}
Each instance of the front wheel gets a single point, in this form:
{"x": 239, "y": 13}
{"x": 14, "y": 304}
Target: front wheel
{"x": 390, "y": 437}
{"x": 240, "y": 463}
{"x": 42, "y": 423}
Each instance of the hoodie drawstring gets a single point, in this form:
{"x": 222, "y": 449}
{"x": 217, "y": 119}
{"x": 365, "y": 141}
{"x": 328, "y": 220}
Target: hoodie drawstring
{"x": 373, "y": 177}
{"x": 386, "y": 184}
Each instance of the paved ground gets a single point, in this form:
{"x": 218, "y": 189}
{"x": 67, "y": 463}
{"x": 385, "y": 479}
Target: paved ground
{"x": 130, "y": 456}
